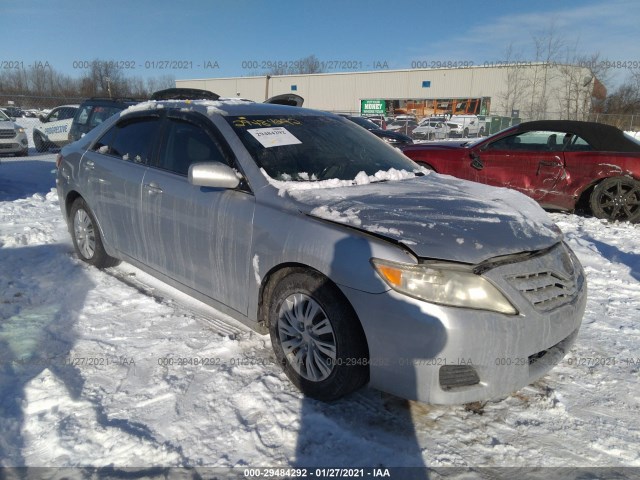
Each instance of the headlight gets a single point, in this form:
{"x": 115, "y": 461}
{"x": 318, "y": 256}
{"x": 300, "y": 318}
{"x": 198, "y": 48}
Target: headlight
{"x": 19, "y": 129}
{"x": 445, "y": 284}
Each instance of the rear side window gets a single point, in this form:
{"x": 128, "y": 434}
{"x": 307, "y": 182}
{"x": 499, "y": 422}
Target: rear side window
{"x": 67, "y": 113}
{"x": 83, "y": 115}
{"x": 132, "y": 140}
{"x": 186, "y": 143}
{"x": 100, "y": 114}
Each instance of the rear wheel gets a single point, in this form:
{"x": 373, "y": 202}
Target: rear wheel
{"x": 86, "y": 236}
{"x": 316, "y": 336}
{"x": 616, "y": 198}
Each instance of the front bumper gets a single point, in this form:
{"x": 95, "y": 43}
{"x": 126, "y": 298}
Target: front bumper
{"x": 447, "y": 355}
{"x": 17, "y": 144}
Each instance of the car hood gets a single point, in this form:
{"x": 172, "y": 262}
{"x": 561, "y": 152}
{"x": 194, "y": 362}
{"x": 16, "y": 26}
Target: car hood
{"x": 390, "y": 134}
{"x": 438, "y": 216}
{"x": 6, "y": 124}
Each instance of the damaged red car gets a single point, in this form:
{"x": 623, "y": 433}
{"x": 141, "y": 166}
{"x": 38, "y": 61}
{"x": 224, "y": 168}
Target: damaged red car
{"x": 563, "y": 165}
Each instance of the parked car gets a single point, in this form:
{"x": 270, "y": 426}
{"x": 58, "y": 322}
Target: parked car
{"x": 402, "y": 126}
{"x": 12, "y": 111}
{"x": 564, "y": 165}
{"x": 380, "y": 121}
{"x": 392, "y": 138}
{"x": 54, "y": 129}
{"x": 363, "y": 267}
{"x": 13, "y": 139}
{"x": 431, "y": 130}
{"x": 93, "y": 111}
{"x": 465, "y": 126}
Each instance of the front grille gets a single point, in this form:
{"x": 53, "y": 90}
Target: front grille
{"x": 7, "y": 133}
{"x": 552, "y": 282}
{"x": 455, "y": 376}
{"x": 545, "y": 290}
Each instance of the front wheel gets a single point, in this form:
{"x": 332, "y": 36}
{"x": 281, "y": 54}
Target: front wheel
{"x": 316, "y": 336}
{"x": 40, "y": 143}
{"x": 616, "y": 198}
{"x": 86, "y": 236}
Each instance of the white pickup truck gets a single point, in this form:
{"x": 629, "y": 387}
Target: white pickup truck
{"x": 465, "y": 126}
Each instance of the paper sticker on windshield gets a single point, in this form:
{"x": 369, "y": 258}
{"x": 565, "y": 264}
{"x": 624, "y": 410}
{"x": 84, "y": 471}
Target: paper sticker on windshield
{"x": 273, "y": 136}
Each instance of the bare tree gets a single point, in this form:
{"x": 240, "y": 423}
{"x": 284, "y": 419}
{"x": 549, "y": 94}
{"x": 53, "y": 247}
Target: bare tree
{"x": 547, "y": 49}
{"x": 513, "y": 95}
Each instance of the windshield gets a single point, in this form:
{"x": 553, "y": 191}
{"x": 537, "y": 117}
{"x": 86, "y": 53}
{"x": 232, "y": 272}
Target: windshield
{"x": 633, "y": 138}
{"x": 311, "y": 148}
{"x": 3, "y": 117}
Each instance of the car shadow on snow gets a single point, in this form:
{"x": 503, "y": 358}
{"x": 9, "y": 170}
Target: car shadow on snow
{"x": 368, "y": 428}
{"x": 614, "y": 254}
{"x": 24, "y": 178}
{"x": 42, "y": 290}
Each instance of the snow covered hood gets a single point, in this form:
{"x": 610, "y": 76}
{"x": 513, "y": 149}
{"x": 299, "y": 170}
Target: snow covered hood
{"x": 438, "y": 216}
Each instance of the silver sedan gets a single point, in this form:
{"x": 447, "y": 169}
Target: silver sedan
{"x": 362, "y": 267}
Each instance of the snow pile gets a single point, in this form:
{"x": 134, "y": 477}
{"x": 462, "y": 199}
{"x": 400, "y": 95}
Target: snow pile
{"x": 361, "y": 178}
{"x": 208, "y": 106}
{"x": 349, "y": 216}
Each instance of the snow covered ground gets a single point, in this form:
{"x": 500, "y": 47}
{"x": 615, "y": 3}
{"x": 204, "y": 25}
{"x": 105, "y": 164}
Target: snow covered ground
{"x": 97, "y": 368}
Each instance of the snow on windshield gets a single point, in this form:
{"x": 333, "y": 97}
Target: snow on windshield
{"x": 360, "y": 179}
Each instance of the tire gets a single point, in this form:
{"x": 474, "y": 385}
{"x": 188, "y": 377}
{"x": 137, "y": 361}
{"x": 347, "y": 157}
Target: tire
{"x": 40, "y": 143}
{"x": 87, "y": 241}
{"x": 306, "y": 312}
{"x": 465, "y": 134}
{"x": 481, "y": 132}
{"x": 616, "y": 198}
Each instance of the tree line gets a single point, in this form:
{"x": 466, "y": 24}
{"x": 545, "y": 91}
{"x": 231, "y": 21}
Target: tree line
{"x": 44, "y": 87}
{"x": 580, "y": 93}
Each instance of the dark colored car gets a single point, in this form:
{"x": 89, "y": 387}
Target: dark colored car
{"x": 392, "y": 138}
{"x": 94, "y": 111}
{"x": 563, "y": 165}
{"x": 402, "y": 126}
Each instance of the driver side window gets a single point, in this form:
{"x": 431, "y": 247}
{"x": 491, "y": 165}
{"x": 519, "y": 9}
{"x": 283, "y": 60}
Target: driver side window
{"x": 186, "y": 143}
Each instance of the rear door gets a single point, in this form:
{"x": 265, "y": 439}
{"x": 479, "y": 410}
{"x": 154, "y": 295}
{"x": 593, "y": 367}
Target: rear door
{"x": 201, "y": 237}
{"x": 114, "y": 170}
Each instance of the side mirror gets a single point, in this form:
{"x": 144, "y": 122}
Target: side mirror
{"x": 42, "y": 118}
{"x": 213, "y": 174}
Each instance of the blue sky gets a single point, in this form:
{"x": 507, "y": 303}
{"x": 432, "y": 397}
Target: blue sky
{"x": 226, "y": 35}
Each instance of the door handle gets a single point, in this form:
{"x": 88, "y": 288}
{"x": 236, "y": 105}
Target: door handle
{"x": 153, "y": 188}
{"x": 557, "y": 162}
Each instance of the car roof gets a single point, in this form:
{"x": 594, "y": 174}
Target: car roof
{"x": 225, "y": 107}
{"x": 600, "y": 136}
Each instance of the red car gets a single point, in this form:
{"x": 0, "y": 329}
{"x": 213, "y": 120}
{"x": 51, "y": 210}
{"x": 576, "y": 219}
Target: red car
{"x": 563, "y": 165}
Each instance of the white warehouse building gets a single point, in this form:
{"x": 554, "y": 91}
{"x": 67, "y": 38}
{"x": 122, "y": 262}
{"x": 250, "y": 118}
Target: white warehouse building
{"x": 528, "y": 90}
